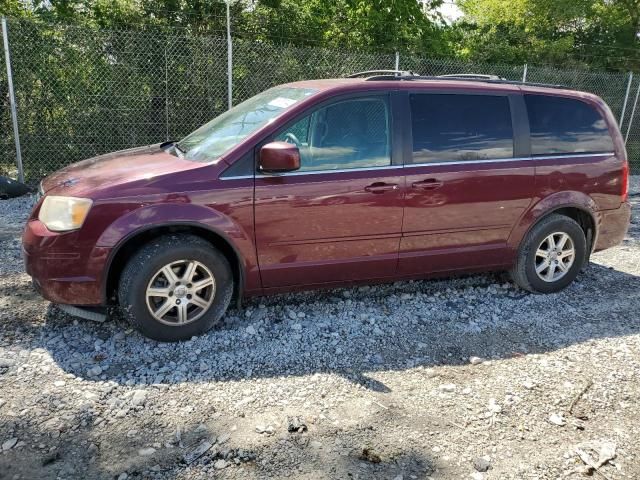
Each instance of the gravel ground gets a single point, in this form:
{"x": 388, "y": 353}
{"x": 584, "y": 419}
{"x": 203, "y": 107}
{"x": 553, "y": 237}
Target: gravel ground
{"x": 458, "y": 378}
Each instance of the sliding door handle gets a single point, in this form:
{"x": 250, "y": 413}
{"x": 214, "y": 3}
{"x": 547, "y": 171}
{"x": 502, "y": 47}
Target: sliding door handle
{"x": 381, "y": 187}
{"x": 428, "y": 184}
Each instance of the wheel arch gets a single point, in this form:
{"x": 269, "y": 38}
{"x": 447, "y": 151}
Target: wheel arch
{"x": 132, "y": 242}
{"x": 585, "y": 218}
{"x": 583, "y": 213}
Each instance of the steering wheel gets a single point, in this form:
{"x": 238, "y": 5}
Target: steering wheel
{"x": 290, "y": 137}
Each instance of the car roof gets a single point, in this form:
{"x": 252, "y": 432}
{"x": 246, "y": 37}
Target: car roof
{"x": 345, "y": 85}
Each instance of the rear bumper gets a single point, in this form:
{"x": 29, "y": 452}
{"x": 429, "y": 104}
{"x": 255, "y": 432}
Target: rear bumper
{"x": 62, "y": 269}
{"x": 613, "y": 226}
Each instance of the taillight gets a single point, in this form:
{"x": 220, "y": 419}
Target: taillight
{"x": 625, "y": 181}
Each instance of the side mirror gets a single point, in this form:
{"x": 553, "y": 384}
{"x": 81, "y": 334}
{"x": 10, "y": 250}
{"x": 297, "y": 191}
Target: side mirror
{"x": 279, "y": 157}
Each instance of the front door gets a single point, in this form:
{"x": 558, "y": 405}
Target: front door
{"x": 339, "y": 217}
{"x": 466, "y": 182}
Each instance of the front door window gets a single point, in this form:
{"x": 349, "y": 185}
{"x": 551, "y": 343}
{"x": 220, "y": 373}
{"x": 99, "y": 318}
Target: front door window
{"x": 344, "y": 135}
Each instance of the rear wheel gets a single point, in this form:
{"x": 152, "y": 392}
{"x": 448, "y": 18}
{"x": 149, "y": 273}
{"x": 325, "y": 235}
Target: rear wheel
{"x": 551, "y": 255}
{"x": 175, "y": 287}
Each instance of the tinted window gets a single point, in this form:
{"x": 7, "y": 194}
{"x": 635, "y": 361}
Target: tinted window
{"x": 344, "y": 135}
{"x": 565, "y": 125}
{"x": 449, "y": 127}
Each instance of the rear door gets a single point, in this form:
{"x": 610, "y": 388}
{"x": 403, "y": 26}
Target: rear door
{"x": 339, "y": 217}
{"x": 469, "y": 179}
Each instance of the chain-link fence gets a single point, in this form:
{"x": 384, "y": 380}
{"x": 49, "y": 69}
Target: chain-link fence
{"x": 82, "y": 91}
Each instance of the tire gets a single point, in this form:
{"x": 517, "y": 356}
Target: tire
{"x": 529, "y": 257}
{"x": 145, "y": 274}
{"x": 11, "y": 188}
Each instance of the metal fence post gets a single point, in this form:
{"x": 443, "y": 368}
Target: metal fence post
{"x": 166, "y": 93}
{"x": 229, "y": 58}
{"x": 633, "y": 112}
{"x": 524, "y": 74}
{"x": 12, "y": 99}
{"x": 397, "y": 61}
{"x": 626, "y": 98}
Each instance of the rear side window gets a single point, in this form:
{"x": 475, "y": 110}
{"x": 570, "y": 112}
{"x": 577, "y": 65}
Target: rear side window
{"x": 566, "y": 125}
{"x": 455, "y": 127}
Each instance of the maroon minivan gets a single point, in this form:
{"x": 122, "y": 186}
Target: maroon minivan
{"x": 330, "y": 182}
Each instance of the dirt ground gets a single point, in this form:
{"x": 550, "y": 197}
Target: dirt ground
{"x": 458, "y": 378}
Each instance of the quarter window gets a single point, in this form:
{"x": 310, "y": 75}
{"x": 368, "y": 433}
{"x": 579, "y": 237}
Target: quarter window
{"x": 456, "y": 127}
{"x": 565, "y": 125}
{"x": 344, "y": 135}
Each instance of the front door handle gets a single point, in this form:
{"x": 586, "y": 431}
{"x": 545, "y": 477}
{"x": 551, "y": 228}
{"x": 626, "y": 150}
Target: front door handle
{"x": 381, "y": 187}
{"x": 428, "y": 184}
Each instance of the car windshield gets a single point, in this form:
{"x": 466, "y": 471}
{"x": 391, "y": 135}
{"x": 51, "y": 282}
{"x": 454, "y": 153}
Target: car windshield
{"x": 226, "y": 131}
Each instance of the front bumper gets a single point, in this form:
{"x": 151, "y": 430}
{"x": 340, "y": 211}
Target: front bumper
{"x": 63, "y": 270}
{"x": 613, "y": 226}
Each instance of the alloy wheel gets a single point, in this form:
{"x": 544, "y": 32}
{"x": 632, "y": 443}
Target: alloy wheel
{"x": 554, "y": 256}
{"x": 180, "y": 292}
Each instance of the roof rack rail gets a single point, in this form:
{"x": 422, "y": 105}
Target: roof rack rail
{"x": 472, "y": 76}
{"x": 374, "y": 73}
{"x": 462, "y": 79}
{"x": 404, "y": 75}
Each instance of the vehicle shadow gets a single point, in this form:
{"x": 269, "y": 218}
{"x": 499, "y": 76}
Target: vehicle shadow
{"x": 93, "y": 453}
{"x": 357, "y": 332}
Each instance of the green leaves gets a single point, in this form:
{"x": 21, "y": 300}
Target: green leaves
{"x": 600, "y": 33}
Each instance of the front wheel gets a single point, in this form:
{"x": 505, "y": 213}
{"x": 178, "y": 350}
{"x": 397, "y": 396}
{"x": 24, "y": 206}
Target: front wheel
{"x": 551, "y": 255}
{"x": 175, "y": 287}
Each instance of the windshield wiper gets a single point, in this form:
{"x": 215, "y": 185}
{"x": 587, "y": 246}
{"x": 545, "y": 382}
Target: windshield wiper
{"x": 172, "y": 143}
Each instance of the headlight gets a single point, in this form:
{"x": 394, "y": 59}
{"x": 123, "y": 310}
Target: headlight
{"x": 60, "y": 214}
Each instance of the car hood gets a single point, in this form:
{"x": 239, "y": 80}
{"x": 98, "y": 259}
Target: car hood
{"x": 114, "y": 169}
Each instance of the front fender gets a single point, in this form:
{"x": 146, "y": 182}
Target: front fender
{"x": 165, "y": 214}
{"x": 546, "y": 206}
{"x": 236, "y": 231}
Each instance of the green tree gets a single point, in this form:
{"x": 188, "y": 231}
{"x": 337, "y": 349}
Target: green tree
{"x": 599, "y": 33}
{"x": 379, "y": 24}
